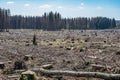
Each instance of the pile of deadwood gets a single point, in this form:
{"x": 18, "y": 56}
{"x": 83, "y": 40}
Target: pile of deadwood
{"x": 45, "y": 70}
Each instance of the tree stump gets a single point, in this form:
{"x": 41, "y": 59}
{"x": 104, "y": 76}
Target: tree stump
{"x": 28, "y": 57}
{"x": 28, "y": 75}
{"x": 2, "y": 65}
{"x": 18, "y": 65}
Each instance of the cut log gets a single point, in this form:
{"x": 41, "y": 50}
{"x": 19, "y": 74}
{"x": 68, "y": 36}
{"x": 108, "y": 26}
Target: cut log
{"x": 48, "y": 66}
{"x": 80, "y": 74}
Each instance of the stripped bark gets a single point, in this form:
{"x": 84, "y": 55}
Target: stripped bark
{"x": 81, "y": 74}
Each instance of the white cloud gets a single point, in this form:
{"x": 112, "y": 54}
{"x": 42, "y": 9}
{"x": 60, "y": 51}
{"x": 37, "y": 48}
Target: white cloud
{"x": 45, "y": 6}
{"x": 82, "y": 4}
{"x": 99, "y": 7}
{"x": 81, "y": 7}
{"x": 10, "y": 2}
{"x": 26, "y": 5}
{"x": 60, "y": 7}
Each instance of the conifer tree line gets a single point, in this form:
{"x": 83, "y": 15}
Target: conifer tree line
{"x": 52, "y": 21}
{"x": 4, "y": 19}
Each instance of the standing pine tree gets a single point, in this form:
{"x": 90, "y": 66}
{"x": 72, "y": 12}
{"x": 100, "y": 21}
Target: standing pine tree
{"x": 113, "y": 23}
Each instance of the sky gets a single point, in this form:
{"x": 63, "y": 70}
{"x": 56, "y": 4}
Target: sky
{"x": 67, "y": 8}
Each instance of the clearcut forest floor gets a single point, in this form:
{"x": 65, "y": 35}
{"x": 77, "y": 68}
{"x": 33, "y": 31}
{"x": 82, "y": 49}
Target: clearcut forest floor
{"x": 76, "y": 50}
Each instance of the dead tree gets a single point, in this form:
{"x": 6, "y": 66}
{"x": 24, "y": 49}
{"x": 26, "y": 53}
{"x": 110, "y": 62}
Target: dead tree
{"x": 34, "y": 40}
{"x": 104, "y": 76}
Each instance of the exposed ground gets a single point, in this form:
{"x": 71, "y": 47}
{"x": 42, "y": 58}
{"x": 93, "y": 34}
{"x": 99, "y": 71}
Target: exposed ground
{"x": 66, "y": 50}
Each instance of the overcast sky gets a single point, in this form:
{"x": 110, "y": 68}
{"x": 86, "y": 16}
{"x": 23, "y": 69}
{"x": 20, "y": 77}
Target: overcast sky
{"x": 67, "y": 8}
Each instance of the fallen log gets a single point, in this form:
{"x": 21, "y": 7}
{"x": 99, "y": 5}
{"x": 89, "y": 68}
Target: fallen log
{"x": 80, "y": 74}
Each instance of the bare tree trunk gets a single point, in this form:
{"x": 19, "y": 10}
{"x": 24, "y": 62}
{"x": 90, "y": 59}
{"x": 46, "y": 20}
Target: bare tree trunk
{"x": 81, "y": 74}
